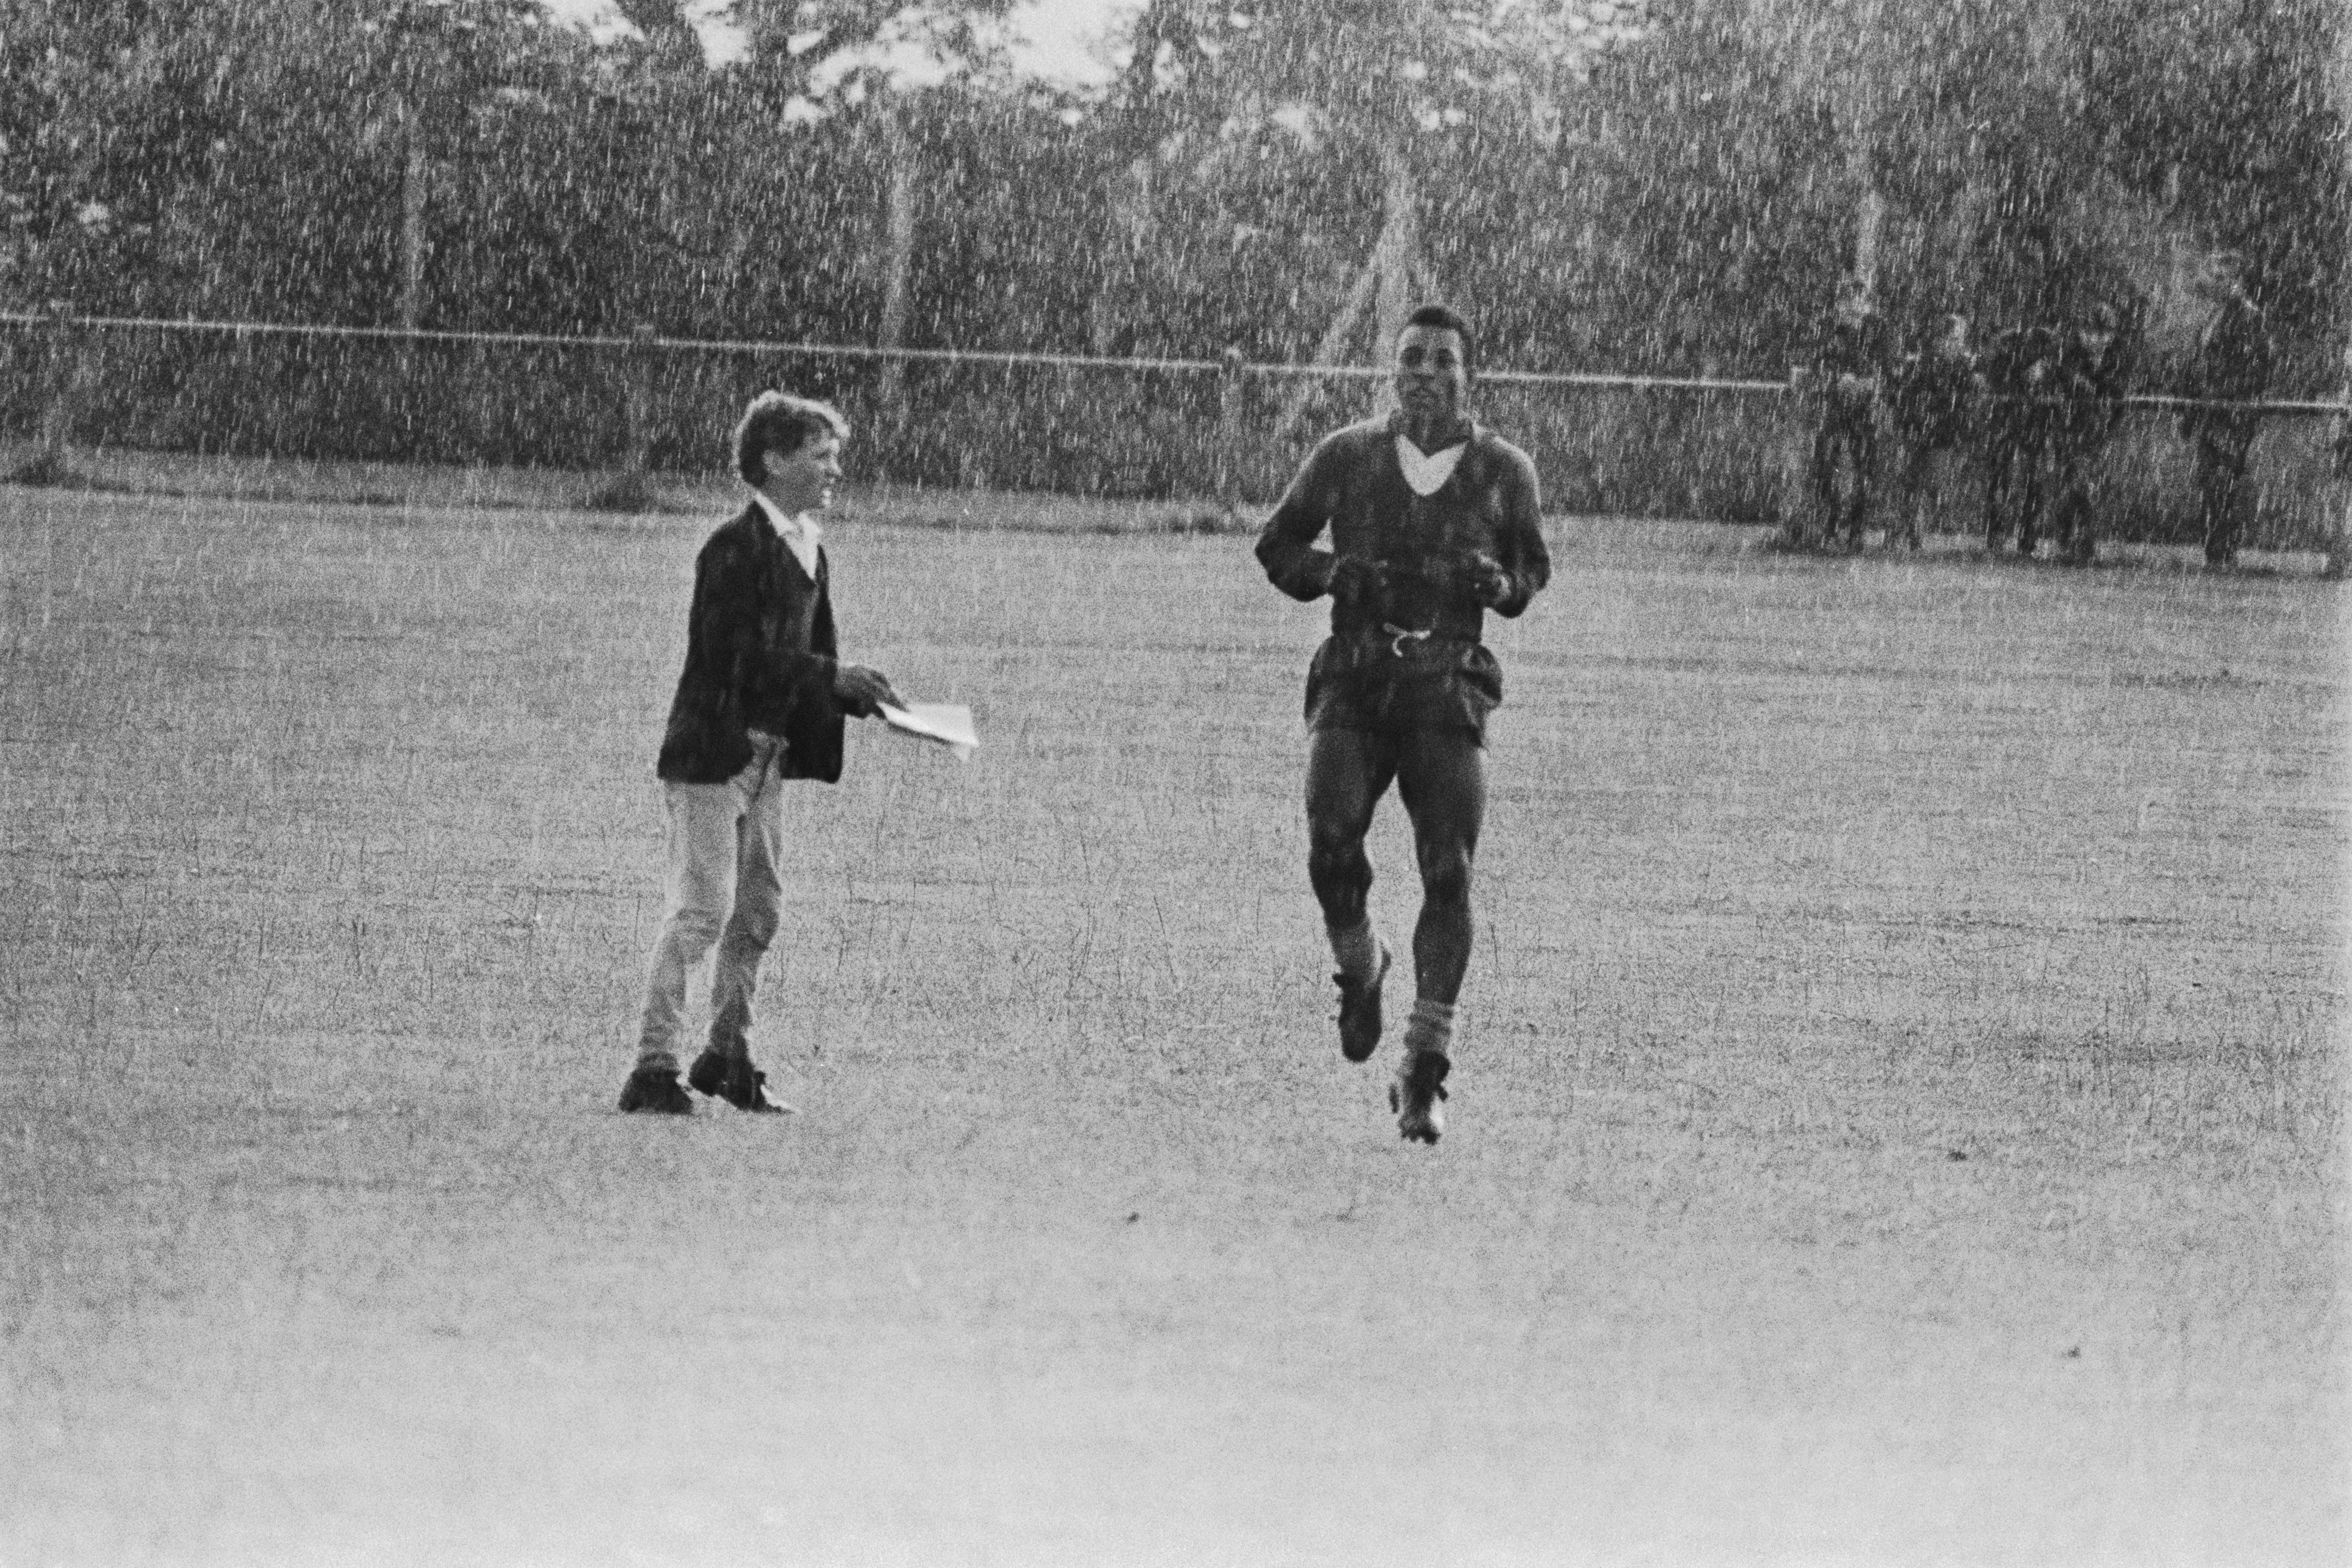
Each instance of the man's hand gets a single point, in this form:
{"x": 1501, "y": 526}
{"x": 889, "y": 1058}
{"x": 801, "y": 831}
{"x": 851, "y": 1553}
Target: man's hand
{"x": 1358, "y": 581}
{"x": 1484, "y": 577}
{"x": 860, "y": 690}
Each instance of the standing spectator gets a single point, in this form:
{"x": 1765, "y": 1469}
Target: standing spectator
{"x": 2019, "y": 370}
{"x": 761, "y": 700}
{"x": 1848, "y": 369}
{"x": 2233, "y": 366}
{"x": 2088, "y": 378}
{"x": 1935, "y": 390}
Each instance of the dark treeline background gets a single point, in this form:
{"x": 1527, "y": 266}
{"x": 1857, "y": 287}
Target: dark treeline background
{"x": 1671, "y": 187}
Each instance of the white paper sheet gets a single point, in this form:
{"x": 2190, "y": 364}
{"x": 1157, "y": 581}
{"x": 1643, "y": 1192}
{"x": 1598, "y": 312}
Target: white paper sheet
{"x": 945, "y": 723}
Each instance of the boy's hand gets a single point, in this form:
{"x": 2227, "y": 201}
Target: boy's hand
{"x": 861, "y": 691}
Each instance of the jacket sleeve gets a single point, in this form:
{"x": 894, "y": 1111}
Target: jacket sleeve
{"x": 1285, "y": 545}
{"x": 1519, "y": 535}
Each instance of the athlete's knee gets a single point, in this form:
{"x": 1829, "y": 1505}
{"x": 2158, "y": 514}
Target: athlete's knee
{"x": 1338, "y": 862}
{"x": 1446, "y": 874}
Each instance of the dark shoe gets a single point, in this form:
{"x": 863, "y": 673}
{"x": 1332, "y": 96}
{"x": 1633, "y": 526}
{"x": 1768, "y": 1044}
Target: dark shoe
{"x": 733, "y": 1080}
{"x": 657, "y": 1089}
{"x": 1360, "y": 1012}
{"x": 1418, "y": 1098}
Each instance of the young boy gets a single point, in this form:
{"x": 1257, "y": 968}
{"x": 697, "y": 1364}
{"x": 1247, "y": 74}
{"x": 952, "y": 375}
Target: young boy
{"x": 761, "y": 700}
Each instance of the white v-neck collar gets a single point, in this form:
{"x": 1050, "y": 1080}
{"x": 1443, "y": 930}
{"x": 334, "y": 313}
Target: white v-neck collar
{"x": 1427, "y": 472}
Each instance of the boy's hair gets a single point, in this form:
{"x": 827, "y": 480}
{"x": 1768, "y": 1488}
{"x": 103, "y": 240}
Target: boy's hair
{"x": 1444, "y": 319}
{"x": 779, "y": 422}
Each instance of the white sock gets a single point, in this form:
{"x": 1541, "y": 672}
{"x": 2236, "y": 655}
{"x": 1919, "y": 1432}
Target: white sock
{"x": 1431, "y": 1029}
{"x": 1357, "y": 951}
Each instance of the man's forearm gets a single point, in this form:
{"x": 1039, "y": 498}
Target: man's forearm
{"x": 1291, "y": 560}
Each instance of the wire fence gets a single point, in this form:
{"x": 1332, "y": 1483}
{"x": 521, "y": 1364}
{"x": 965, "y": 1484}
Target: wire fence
{"x": 1225, "y": 429}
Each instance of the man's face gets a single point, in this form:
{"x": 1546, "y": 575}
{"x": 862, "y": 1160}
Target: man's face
{"x": 1432, "y": 372}
{"x": 804, "y": 480}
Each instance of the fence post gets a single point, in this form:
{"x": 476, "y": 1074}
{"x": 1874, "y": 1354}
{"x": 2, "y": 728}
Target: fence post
{"x": 630, "y": 489}
{"x": 637, "y": 368}
{"x": 2336, "y": 488}
{"x": 64, "y": 379}
{"x": 1229, "y": 435}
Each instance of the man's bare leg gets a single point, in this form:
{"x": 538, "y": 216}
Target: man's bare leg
{"x": 1442, "y": 778}
{"x": 1348, "y": 771}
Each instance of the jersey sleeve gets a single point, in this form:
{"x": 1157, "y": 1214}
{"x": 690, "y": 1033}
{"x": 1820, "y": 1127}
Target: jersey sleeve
{"x": 1518, "y": 535}
{"x": 1285, "y": 545}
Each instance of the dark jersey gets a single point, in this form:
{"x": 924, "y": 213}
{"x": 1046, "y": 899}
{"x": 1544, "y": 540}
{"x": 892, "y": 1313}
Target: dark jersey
{"x": 1932, "y": 393}
{"x": 2233, "y": 365}
{"x": 1403, "y": 575}
{"x": 2087, "y": 392}
{"x": 2019, "y": 371}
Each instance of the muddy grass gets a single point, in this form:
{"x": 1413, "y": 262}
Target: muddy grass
{"x": 1900, "y": 1119}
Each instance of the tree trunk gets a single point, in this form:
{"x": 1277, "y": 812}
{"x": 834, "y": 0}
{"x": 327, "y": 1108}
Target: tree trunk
{"x": 1869, "y": 212}
{"x": 1387, "y": 282}
{"x": 1333, "y": 348}
{"x": 2339, "y": 527}
{"x": 901, "y": 264}
{"x": 415, "y": 173}
{"x": 1131, "y": 235}
{"x": 2340, "y": 83}
{"x": 1397, "y": 254}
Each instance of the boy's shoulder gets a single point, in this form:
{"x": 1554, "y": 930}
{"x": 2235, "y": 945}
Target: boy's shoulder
{"x": 736, "y": 532}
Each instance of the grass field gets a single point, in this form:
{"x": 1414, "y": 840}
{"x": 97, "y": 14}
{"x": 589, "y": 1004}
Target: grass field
{"x": 1900, "y": 1121}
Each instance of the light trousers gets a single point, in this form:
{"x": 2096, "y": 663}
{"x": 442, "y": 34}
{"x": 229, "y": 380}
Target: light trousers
{"x": 724, "y": 891}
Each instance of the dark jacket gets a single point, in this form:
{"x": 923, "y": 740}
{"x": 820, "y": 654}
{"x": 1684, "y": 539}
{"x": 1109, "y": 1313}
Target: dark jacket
{"x": 1849, "y": 362}
{"x": 1405, "y": 553}
{"x": 2020, "y": 369}
{"x": 2090, "y": 395}
{"x": 759, "y": 654}
{"x": 1933, "y": 394}
{"x": 2233, "y": 365}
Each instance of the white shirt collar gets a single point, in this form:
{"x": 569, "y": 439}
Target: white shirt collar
{"x": 1427, "y": 472}
{"x": 800, "y": 533}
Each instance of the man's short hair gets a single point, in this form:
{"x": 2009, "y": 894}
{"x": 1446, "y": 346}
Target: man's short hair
{"x": 1444, "y": 319}
{"x": 779, "y": 422}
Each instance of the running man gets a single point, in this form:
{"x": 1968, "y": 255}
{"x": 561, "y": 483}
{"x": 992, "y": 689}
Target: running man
{"x": 1435, "y": 520}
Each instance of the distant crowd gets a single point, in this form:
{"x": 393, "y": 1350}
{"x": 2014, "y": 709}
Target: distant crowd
{"x": 2038, "y": 403}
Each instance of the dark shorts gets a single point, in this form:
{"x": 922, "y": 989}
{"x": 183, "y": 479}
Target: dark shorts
{"x": 1380, "y": 683}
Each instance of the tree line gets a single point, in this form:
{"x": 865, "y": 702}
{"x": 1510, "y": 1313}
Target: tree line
{"x": 1646, "y": 185}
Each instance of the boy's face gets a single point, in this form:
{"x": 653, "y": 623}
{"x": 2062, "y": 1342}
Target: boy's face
{"x": 802, "y": 481}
